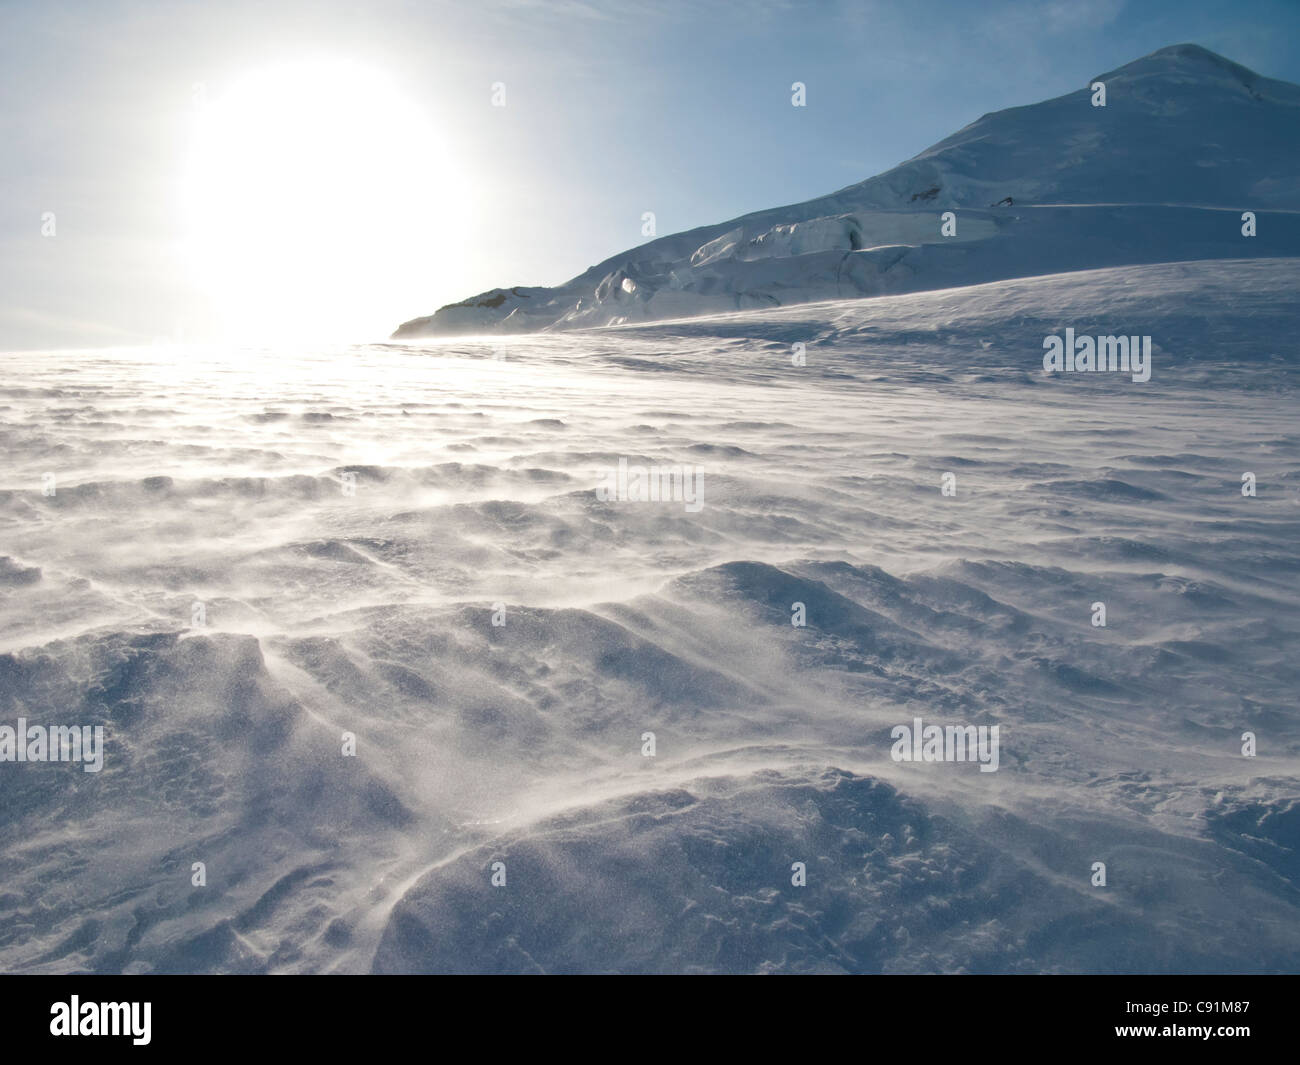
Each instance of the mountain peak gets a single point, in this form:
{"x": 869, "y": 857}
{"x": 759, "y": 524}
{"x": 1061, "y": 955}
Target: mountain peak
{"x": 1185, "y": 60}
{"x": 1192, "y": 52}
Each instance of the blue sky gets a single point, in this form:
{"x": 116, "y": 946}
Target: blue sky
{"x": 612, "y": 109}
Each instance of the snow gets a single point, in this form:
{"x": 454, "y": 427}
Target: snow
{"x": 217, "y": 475}
{"x": 233, "y": 560}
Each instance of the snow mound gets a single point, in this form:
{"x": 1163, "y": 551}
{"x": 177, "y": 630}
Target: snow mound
{"x": 701, "y": 879}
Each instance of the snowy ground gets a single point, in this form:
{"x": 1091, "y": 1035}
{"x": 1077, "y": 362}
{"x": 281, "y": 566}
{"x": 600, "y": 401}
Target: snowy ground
{"x": 218, "y": 477}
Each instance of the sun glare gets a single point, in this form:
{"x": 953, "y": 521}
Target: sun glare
{"x": 318, "y": 203}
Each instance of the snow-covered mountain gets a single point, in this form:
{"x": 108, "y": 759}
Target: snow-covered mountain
{"x": 1185, "y": 142}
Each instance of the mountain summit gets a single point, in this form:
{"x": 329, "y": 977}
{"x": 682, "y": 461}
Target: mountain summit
{"x": 1185, "y": 142}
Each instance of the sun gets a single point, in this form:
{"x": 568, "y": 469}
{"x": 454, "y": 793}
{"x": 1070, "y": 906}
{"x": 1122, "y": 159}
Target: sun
{"x": 318, "y": 204}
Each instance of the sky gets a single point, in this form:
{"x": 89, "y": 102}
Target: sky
{"x": 191, "y": 171}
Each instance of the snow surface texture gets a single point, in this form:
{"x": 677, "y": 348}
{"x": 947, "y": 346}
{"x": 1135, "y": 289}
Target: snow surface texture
{"x": 218, "y": 476}
{"x": 1187, "y": 141}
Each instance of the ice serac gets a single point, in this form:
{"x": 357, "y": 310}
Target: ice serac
{"x": 1186, "y": 141}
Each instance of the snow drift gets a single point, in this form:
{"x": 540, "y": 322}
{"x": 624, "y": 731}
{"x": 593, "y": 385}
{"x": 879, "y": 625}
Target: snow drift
{"x": 474, "y": 490}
